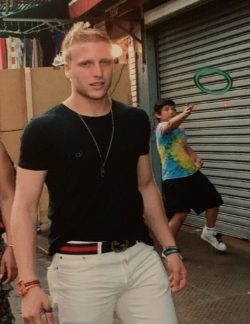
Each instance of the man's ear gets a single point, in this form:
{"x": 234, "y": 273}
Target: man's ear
{"x": 67, "y": 70}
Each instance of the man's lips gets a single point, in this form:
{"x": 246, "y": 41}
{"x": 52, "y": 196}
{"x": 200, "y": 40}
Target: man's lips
{"x": 97, "y": 84}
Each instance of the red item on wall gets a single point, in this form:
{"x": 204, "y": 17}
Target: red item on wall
{"x": 79, "y": 7}
{"x": 3, "y": 54}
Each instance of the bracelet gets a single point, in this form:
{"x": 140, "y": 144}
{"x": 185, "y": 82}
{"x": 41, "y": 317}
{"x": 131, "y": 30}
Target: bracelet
{"x": 169, "y": 250}
{"x": 31, "y": 283}
{"x": 23, "y": 287}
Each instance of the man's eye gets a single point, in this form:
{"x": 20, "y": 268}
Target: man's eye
{"x": 108, "y": 62}
{"x": 85, "y": 64}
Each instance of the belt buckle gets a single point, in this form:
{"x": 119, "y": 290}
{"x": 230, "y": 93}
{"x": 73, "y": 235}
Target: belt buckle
{"x": 119, "y": 246}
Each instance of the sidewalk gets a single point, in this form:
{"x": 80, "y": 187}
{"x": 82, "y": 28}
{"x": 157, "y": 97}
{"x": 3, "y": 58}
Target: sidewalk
{"x": 218, "y": 290}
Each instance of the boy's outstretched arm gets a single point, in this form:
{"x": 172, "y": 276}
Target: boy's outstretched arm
{"x": 177, "y": 120}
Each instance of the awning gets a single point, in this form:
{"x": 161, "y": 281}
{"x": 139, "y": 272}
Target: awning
{"x": 167, "y": 9}
{"x": 79, "y": 7}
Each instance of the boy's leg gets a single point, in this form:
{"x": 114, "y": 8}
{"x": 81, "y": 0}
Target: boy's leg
{"x": 209, "y": 233}
{"x": 177, "y": 205}
{"x": 176, "y": 222}
{"x": 211, "y": 216}
{"x": 147, "y": 298}
{"x": 207, "y": 198}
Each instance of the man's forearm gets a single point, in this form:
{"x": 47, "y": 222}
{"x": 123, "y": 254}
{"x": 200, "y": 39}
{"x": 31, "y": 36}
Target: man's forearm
{"x": 24, "y": 243}
{"x": 155, "y": 217}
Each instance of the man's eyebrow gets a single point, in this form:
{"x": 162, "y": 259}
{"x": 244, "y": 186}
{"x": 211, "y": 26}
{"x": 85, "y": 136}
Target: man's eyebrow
{"x": 85, "y": 61}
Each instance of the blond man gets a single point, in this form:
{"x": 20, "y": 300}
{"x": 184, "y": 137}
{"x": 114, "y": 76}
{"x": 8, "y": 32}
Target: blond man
{"x": 92, "y": 152}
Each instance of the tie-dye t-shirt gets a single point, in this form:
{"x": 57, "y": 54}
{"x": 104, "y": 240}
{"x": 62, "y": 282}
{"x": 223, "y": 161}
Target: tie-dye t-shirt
{"x": 175, "y": 161}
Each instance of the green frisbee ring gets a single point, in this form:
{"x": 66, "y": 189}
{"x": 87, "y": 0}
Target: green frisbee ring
{"x": 212, "y": 70}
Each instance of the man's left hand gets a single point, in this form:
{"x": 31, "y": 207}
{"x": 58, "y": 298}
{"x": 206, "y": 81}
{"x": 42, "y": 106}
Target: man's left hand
{"x": 177, "y": 272}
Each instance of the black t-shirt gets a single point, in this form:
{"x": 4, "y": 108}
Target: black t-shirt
{"x": 84, "y": 206}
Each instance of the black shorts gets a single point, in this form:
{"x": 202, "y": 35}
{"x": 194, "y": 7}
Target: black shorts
{"x": 194, "y": 192}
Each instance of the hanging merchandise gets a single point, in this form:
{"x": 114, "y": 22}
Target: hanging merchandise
{"x": 33, "y": 31}
{"x": 17, "y": 53}
{"x": 14, "y": 52}
{"x": 36, "y": 51}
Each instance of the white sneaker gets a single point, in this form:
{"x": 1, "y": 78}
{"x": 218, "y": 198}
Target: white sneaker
{"x": 213, "y": 238}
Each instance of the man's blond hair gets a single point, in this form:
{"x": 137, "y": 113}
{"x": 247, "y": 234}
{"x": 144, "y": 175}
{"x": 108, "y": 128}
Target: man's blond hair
{"x": 79, "y": 34}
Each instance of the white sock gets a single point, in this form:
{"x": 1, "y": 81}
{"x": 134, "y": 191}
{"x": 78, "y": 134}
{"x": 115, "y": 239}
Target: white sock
{"x": 212, "y": 229}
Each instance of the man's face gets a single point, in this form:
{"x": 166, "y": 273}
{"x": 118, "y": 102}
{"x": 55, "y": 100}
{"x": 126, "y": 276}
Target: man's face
{"x": 90, "y": 69}
{"x": 166, "y": 113}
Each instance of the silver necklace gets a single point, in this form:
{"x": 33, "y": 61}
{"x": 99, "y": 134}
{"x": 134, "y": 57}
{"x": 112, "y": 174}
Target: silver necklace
{"x": 103, "y": 161}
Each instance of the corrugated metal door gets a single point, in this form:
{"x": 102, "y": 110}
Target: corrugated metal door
{"x": 215, "y": 34}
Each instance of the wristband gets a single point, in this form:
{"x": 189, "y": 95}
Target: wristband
{"x": 169, "y": 250}
{"x": 23, "y": 287}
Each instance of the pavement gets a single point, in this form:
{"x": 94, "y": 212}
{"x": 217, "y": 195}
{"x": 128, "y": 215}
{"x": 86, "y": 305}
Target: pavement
{"x": 218, "y": 289}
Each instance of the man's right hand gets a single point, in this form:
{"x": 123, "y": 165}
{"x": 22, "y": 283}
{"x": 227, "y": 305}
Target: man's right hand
{"x": 35, "y": 305}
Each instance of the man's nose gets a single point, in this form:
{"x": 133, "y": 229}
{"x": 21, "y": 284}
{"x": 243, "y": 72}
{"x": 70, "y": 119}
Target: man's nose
{"x": 97, "y": 69}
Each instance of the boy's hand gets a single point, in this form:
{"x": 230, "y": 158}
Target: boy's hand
{"x": 199, "y": 162}
{"x": 188, "y": 109}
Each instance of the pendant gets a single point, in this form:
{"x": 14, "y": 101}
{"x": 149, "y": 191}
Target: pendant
{"x": 102, "y": 171}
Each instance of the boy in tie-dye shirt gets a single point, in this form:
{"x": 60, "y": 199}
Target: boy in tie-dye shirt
{"x": 175, "y": 159}
{"x": 184, "y": 186}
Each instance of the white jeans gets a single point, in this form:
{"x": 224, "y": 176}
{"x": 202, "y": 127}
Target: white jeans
{"x": 87, "y": 289}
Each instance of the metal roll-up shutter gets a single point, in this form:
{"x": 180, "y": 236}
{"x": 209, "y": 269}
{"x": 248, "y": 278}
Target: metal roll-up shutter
{"x": 215, "y": 34}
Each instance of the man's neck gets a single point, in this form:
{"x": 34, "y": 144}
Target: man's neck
{"x": 89, "y": 107}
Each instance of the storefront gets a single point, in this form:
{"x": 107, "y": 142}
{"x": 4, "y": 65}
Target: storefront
{"x": 214, "y": 34}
